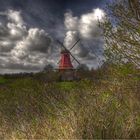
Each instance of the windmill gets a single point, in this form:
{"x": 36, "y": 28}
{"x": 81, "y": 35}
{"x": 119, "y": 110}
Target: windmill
{"x": 66, "y": 68}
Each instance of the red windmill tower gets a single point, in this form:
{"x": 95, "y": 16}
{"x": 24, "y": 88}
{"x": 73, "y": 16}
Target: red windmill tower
{"x": 66, "y": 68}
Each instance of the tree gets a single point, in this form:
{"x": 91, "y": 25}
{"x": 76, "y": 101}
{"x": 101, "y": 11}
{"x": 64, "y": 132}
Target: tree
{"x": 134, "y": 5}
{"x": 122, "y": 32}
{"x": 48, "y": 68}
{"x": 82, "y": 67}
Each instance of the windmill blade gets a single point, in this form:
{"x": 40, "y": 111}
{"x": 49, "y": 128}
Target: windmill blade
{"x": 61, "y": 44}
{"x": 74, "y": 44}
{"x": 75, "y": 59}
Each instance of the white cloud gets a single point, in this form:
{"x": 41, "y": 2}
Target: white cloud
{"x": 15, "y": 17}
{"x": 89, "y": 27}
{"x": 71, "y": 22}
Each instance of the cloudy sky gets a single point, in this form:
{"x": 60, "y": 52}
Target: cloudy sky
{"x": 29, "y": 30}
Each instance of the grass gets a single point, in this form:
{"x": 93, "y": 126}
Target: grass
{"x": 66, "y": 86}
{"x": 109, "y": 108}
{"x": 3, "y": 80}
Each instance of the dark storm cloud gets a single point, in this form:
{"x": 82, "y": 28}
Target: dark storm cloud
{"x": 43, "y": 14}
{"x": 49, "y": 14}
{"x": 83, "y": 6}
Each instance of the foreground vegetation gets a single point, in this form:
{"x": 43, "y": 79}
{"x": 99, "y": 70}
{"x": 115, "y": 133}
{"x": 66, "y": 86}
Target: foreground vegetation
{"x": 105, "y": 107}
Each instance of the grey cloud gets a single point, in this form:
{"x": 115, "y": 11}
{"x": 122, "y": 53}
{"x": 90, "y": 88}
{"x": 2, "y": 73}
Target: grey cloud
{"x": 12, "y": 31}
{"x": 21, "y": 47}
{"x": 3, "y": 31}
{"x": 19, "y": 66}
{"x": 38, "y": 40}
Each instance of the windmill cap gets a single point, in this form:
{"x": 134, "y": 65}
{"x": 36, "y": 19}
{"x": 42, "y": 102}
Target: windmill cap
{"x": 65, "y": 51}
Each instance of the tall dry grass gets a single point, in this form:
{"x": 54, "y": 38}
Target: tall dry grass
{"x": 104, "y": 108}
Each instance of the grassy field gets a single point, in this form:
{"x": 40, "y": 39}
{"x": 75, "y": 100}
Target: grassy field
{"x": 105, "y": 108}
{"x": 3, "y": 80}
